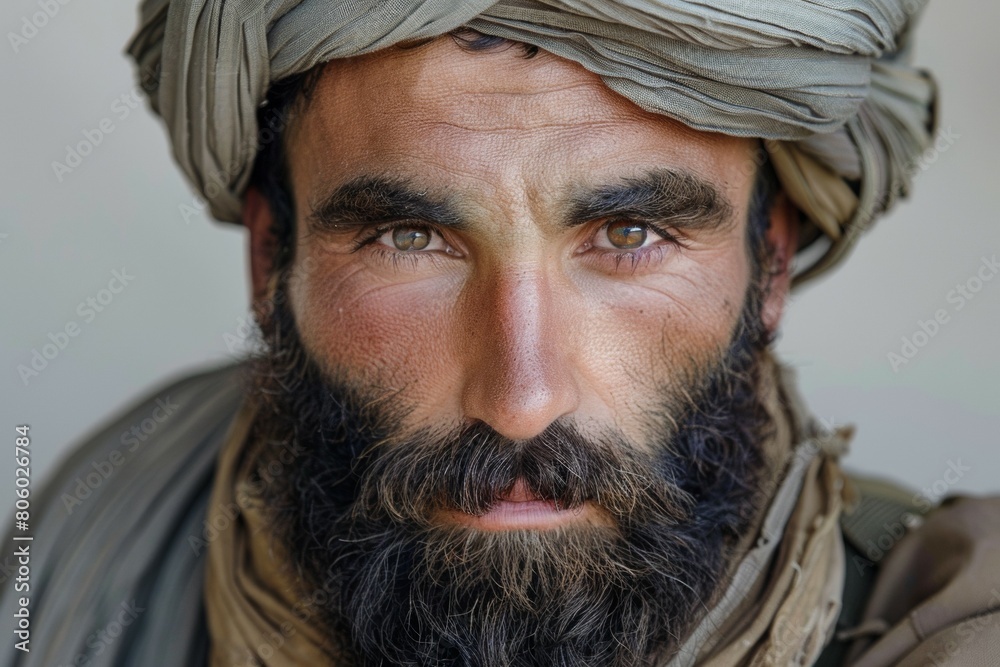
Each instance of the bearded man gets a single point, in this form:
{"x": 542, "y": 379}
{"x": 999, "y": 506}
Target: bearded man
{"x": 517, "y": 269}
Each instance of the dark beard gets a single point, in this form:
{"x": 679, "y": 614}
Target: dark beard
{"x": 396, "y": 588}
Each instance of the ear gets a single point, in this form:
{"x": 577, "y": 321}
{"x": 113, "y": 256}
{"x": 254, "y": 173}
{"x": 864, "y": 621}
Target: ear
{"x": 782, "y": 238}
{"x": 263, "y": 244}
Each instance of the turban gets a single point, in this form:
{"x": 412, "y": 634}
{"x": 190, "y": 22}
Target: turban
{"x": 827, "y": 85}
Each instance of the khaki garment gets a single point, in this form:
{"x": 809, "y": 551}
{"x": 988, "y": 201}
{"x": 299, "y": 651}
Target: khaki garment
{"x": 937, "y": 599}
{"x": 256, "y": 614}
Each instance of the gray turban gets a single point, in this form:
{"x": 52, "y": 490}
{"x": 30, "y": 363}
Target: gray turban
{"x": 826, "y": 84}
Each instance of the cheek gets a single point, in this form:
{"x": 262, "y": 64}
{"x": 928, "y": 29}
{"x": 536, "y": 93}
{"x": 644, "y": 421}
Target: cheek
{"x": 383, "y": 335}
{"x": 640, "y": 339}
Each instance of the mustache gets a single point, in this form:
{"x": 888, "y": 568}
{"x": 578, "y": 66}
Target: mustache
{"x": 474, "y": 468}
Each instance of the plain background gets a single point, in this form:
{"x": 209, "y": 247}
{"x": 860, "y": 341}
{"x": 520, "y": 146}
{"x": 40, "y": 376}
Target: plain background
{"x": 122, "y": 208}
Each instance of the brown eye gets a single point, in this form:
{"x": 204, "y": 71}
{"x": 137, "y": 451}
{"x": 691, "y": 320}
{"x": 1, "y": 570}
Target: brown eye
{"x": 410, "y": 238}
{"x": 623, "y": 235}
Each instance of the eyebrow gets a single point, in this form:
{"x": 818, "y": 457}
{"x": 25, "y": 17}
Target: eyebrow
{"x": 678, "y": 198}
{"x": 372, "y": 199}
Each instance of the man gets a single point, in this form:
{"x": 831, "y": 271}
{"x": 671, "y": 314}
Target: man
{"x": 517, "y": 268}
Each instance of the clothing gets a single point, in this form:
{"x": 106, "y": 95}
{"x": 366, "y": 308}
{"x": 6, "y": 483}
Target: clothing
{"x": 827, "y": 83}
{"x": 128, "y": 541}
{"x": 128, "y": 559}
{"x": 938, "y": 599}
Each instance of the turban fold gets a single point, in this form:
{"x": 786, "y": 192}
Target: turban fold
{"x": 826, "y": 84}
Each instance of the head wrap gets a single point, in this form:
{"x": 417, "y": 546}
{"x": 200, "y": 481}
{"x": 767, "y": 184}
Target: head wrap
{"x": 826, "y": 84}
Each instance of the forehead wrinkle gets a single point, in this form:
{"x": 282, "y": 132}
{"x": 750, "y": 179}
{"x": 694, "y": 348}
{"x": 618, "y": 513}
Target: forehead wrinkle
{"x": 539, "y": 109}
{"x": 493, "y": 136}
{"x": 475, "y": 89}
{"x": 568, "y": 125}
{"x": 504, "y": 72}
{"x": 503, "y": 138}
{"x": 501, "y": 113}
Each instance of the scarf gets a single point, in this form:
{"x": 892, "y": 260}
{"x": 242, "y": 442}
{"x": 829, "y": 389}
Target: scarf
{"x": 779, "y": 608}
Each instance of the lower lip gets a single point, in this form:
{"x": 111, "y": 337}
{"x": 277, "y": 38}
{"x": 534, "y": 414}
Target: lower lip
{"x": 525, "y": 515}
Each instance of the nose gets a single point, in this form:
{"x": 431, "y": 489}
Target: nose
{"x": 518, "y": 373}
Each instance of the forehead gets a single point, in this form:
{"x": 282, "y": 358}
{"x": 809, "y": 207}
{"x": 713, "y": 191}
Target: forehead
{"x": 492, "y": 123}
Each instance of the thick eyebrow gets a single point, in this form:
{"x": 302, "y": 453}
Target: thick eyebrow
{"x": 372, "y": 199}
{"x": 675, "y": 198}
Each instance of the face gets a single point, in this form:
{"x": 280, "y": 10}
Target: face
{"x": 514, "y": 296}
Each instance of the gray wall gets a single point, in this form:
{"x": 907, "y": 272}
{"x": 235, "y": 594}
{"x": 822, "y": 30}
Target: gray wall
{"x": 62, "y": 237}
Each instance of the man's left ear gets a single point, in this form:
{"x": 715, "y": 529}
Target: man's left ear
{"x": 782, "y": 238}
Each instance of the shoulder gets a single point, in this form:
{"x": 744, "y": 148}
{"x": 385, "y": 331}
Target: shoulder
{"x": 111, "y": 530}
{"x": 923, "y": 581}
{"x": 937, "y": 596}
{"x": 156, "y": 431}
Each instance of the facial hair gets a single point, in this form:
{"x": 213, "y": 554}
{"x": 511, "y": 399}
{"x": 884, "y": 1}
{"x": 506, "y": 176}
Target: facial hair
{"x": 356, "y": 513}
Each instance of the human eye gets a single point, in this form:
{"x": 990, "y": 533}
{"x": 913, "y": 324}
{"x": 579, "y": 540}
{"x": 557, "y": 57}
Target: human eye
{"x": 637, "y": 243}
{"x": 403, "y": 241}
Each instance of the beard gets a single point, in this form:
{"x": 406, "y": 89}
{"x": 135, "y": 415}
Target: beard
{"x": 356, "y": 512}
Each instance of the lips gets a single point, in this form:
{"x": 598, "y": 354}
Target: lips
{"x": 520, "y": 509}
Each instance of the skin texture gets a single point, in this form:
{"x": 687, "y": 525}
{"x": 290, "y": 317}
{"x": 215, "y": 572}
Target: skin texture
{"x": 523, "y": 442}
{"x": 515, "y": 320}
